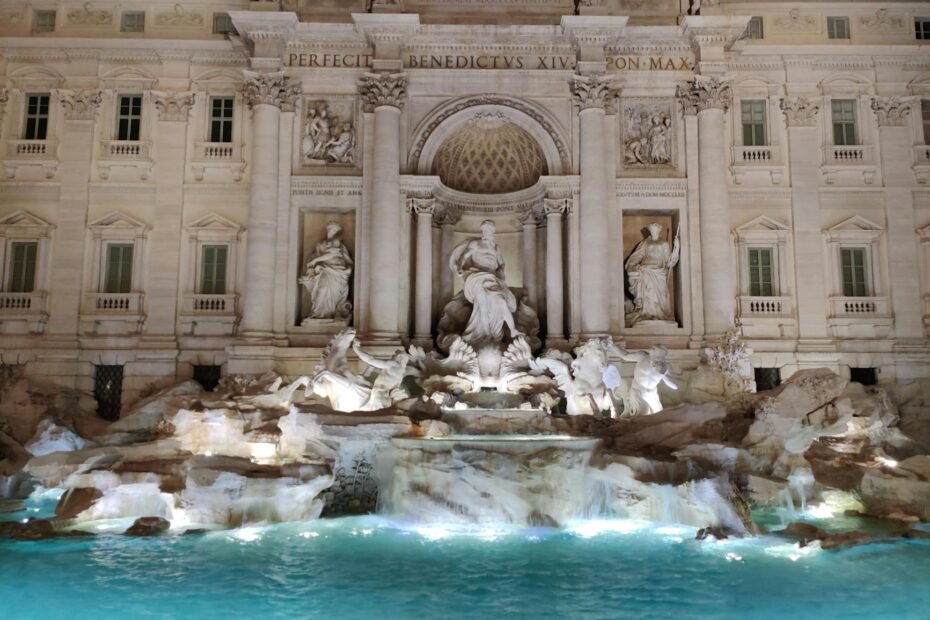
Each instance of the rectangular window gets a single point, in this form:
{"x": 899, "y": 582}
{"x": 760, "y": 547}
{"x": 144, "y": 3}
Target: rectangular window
{"x": 23, "y": 266}
{"x": 36, "y": 126}
{"x": 754, "y": 31}
{"x": 118, "y": 277}
{"x": 129, "y": 117}
{"x": 213, "y": 270}
{"x": 761, "y": 272}
{"x": 854, "y": 272}
{"x": 222, "y": 24}
{"x": 925, "y": 118}
{"x": 922, "y": 28}
{"x": 43, "y": 21}
{"x": 132, "y": 21}
{"x": 753, "y": 116}
{"x": 221, "y": 119}
{"x": 844, "y": 122}
{"x": 838, "y": 27}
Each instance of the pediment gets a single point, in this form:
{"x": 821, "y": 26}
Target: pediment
{"x": 218, "y": 80}
{"x": 34, "y": 76}
{"x": 214, "y": 221}
{"x": 924, "y": 233}
{"x": 23, "y": 223}
{"x": 763, "y": 223}
{"x": 129, "y": 77}
{"x": 118, "y": 221}
{"x": 856, "y": 223}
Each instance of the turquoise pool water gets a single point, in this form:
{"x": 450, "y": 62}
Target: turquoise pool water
{"x": 375, "y": 568}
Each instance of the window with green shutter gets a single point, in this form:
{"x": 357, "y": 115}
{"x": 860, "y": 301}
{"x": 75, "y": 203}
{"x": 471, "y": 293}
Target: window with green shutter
{"x": 753, "y": 116}
{"x": 844, "y": 122}
{"x": 23, "y": 266}
{"x": 761, "y": 272}
{"x": 854, "y": 272}
{"x": 118, "y": 277}
{"x": 213, "y": 270}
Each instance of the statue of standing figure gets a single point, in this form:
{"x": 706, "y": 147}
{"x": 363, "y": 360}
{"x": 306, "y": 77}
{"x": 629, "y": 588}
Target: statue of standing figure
{"x": 327, "y": 275}
{"x": 649, "y": 269}
{"x": 651, "y": 370}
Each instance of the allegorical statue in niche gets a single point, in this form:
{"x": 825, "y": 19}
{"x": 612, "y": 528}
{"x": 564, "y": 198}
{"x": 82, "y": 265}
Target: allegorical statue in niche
{"x": 651, "y": 370}
{"x": 485, "y": 311}
{"x": 326, "y": 276}
{"x": 649, "y": 268}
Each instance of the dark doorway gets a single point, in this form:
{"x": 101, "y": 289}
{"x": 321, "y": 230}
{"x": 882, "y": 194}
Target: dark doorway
{"x": 108, "y": 390}
{"x": 767, "y": 378}
{"x": 865, "y": 376}
{"x": 208, "y": 376}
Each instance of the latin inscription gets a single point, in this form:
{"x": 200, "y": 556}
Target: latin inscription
{"x": 319, "y": 60}
{"x": 649, "y": 63}
{"x": 487, "y": 61}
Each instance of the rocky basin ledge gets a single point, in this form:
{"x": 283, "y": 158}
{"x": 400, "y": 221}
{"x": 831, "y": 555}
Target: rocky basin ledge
{"x": 185, "y": 459}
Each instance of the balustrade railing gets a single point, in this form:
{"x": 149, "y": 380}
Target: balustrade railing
{"x": 31, "y": 149}
{"x": 210, "y": 304}
{"x": 127, "y": 149}
{"x": 22, "y": 302}
{"x": 757, "y": 155}
{"x": 766, "y": 306}
{"x": 860, "y": 154}
{"x": 852, "y": 307}
{"x": 128, "y": 303}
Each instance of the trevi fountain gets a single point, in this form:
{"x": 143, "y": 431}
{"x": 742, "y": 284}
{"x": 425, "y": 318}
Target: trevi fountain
{"x": 496, "y": 457}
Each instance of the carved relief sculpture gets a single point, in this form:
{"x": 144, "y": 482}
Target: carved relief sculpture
{"x": 179, "y": 17}
{"x": 88, "y": 16}
{"x": 649, "y": 273}
{"x": 269, "y": 89}
{"x": 882, "y": 21}
{"x": 794, "y": 21}
{"x": 647, "y": 139}
{"x": 328, "y": 138}
{"x": 389, "y": 89}
{"x": 703, "y": 93}
{"x": 594, "y": 91}
{"x": 327, "y": 275}
{"x": 79, "y": 105}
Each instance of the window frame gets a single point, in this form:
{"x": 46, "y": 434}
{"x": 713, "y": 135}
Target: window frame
{"x": 832, "y": 33}
{"x": 202, "y": 264}
{"x": 104, "y": 285}
{"x": 766, "y": 140}
{"x": 37, "y": 116}
{"x": 753, "y": 21}
{"x": 854, "y": 123}
{"x": 922, "y": 28}
{"x": 133, "y": 120}
{"x": 772, "y": 252}
{"x": 132, "y": 28}
{"x": 857, "y": 232}
{"x": 9, "y": 274}
{"x": 866, "y": 288}
{"x": 229, "y": 122}
{"x": 223, "y": 16}
{"x": 764, "y": 233}
{"x": 40, "y": 19}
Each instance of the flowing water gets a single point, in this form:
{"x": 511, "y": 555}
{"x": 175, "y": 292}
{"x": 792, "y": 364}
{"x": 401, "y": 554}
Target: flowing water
{"x": 371, "y": 567}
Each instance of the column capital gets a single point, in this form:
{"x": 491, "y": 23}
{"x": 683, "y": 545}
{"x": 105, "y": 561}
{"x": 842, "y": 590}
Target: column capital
{"x": 799, "y": 111}
{"x": 891, "y": 111}
{"x": 557, "y": 206}
{"x": 267, "y": 89}
{"x": 421, "y": 206}
{"x": 446, "y": 215}
{"x": 532, "y": 217}
{"x": 593, "y": 91}
{"x": 385, "y": 89}
{"x": 78, "y": 105}
{"x": 705, "y": 93}
{"x": 173, "y": 106}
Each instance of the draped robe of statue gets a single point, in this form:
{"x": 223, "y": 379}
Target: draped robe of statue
{"x": 327, "y": 276}
{"x": 649, "y": 269}
{"x": 486, "y": 305}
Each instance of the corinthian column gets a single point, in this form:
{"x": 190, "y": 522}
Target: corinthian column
{"x": 592, "y": 94}
{"x": 555, "y": 318}
{"x": 896, "y": 135}
{"x": 384, "y": 96}
{"x": 710, "y": 98}
{"x": 423, "y": 209}
{"x": 265, "y": 93}
{"x": 446, "y": 218}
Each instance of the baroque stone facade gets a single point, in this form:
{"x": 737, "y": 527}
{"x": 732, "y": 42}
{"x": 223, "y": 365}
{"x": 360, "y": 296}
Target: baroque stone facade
{"x": 160, "y": 197}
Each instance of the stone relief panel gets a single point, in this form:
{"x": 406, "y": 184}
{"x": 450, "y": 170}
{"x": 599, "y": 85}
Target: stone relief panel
{"x": 179, "y": 17}
{"x": 329, "y": 133}
{"x": 327, "y": 269}
{"x": 795, "y": 21}
{"x": 646, "y": 134}
{"x": 87, "y": 15}
{"x": 882, "y": 21}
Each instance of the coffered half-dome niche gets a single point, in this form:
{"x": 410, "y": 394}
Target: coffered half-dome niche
{"x": 489, "y": 154}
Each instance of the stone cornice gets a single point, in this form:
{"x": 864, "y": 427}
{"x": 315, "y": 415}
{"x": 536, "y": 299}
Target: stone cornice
{"x": 714, "y": 30}
{"x": 705, "y": 93}
{"x": 593, "y": 30}
{"x": 263, "y": 25}
{"x": 891, "y": 111}
{"x": 378, "y": 90}
{"x": 80, "y": 105}
{"x": 799, "y": 111}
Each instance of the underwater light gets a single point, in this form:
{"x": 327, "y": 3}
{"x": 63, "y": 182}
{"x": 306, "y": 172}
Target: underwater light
{"x": 887, "y": 462}
{"x": 432, "y": 533}
{"x": 248, "y": 534}
{"x": 590, "y": 529}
